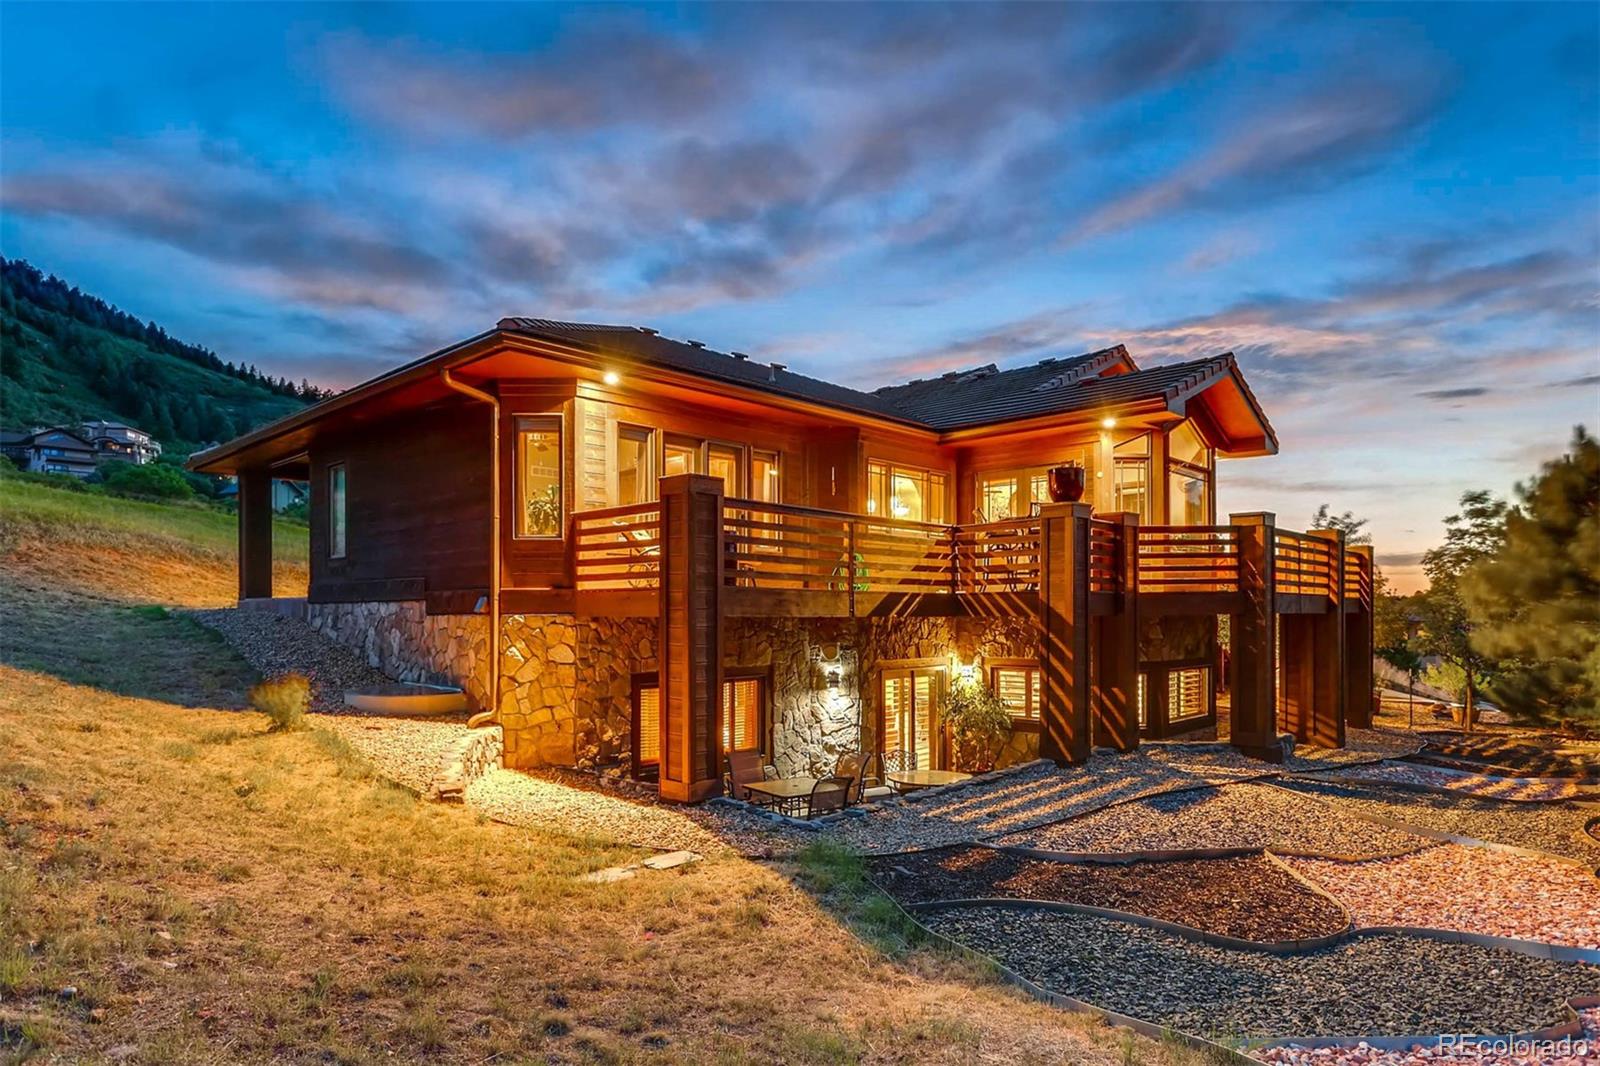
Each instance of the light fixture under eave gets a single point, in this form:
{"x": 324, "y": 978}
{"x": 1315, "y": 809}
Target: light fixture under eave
{"x": 611, "y": 377}
{"x": 1108, "y": 422}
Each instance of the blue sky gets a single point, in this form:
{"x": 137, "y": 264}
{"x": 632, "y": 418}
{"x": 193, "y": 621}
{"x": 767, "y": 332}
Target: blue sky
{"x": 1391, "y": 214}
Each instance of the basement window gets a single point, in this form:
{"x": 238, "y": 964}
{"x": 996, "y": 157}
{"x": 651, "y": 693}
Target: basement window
{"x": 1019, "y": 689}
{"x": 1187, "y": 692}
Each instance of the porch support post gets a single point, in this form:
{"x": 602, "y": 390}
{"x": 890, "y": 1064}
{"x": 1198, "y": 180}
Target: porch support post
{"x": 690, "y": 645}
{"x": 255, "y": 534}
{"x": 1116, "y": 656}
{"x": 1254, "y": 725}
{"x": 1064, "y": 631}
{"x": 1328, "y": 694}
{"x": 1358, "y": 644}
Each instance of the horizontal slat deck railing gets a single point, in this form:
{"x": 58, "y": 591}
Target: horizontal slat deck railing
{"x": 1302, "y": 565}
{"x": 1188, "y": 559}
{"x": 1105, "y": 556}
{"x": 784, "y": 547}
{"x": 996, "y": 556}
{"x": 1358, "y": 579}
{"x": 617, "y": 548}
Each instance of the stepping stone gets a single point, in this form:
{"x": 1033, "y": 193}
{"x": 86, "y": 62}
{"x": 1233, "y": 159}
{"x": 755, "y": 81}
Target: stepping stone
{"x": 671, "y": 860}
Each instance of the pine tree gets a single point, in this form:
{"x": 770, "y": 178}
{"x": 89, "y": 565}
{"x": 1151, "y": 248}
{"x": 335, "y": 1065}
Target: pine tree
{"x": 1535, "y": 603}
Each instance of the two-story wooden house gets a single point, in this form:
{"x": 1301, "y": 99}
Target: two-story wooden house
{"x": 640, "y": 551}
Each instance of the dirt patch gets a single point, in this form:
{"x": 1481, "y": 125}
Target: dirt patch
{"x": 1248, "y": 898}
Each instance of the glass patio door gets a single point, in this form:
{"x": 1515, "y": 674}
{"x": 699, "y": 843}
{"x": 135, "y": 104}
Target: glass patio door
{"x": 911, "y": 715}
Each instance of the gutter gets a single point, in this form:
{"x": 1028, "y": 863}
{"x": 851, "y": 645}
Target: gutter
{"x": 490, "y": 715}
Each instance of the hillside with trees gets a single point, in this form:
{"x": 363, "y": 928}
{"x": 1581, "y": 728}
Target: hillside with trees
{"x": 67, "y": 356}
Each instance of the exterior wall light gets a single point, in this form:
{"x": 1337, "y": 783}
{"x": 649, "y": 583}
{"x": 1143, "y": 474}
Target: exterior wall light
{"x": 833, "y": 677}
{"x": 1108, "y": 422}
{"x": 611, "y": 377}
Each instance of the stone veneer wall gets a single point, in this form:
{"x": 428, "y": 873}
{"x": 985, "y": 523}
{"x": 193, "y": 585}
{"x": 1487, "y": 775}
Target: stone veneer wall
{"x": 404, "y": 641}
{"x": 566, "y": 683}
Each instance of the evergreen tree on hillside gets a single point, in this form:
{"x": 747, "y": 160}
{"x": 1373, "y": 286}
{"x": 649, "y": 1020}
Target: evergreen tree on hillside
{"x": 1534, "y": 604}
{"x": 1471, "y": 535}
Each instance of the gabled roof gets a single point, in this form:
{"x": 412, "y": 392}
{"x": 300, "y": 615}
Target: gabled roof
{"x": 39, "y": 435}
{"x": 646, "y": 345}
{"x": 988, "y": 394}
{"x": 962, "y": 401}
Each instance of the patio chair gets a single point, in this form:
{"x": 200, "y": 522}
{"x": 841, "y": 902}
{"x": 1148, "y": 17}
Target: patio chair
{"x": 849, "y": 765}
{"x": 828, "y": 795}
{"x": 872, "y": 770}
{"x": 897, "y": 760}
{"x": 743, "y": 768}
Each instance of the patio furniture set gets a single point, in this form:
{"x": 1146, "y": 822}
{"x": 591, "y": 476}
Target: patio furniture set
{"x": 810, "y": 797}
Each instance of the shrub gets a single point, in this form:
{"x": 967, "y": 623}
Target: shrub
{"x": 979, "y": 724}
{"x": 283, "y": 699}
{"x": 152, "y": 480}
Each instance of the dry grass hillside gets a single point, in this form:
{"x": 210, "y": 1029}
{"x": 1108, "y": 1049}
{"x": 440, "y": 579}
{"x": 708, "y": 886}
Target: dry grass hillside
{"x": 179, "y": 885}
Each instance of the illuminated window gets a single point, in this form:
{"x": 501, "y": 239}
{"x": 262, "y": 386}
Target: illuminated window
{"x": 538, "y": 477}
{"x": 635, "y": 466}
{"x": 683, "y": 455}
{"x": 1019, "y": 689}
{"x": 911, "y": 716}
{"x": 741, "y": 705}
{"x": 1006, "y": 494}
{"x": 1144, "y": 717}
{"x": 1188, "y": 477}
{"x": 905, "y": 493}
{"x": 680, "y": 457}
{"x": 336, "y": 511}
{"x": 1185, "y": 446}
{"x": 1188, "y": 692}
{"x": 1131, "y": 476}
{"x": 727, "y": 463}
{"x": 647, "y": 727}
{"x": 765, "y": 483}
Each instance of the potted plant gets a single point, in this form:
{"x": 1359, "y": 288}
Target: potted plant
{"x": 979, "y": 725}
{"x": 1066, "y": 482}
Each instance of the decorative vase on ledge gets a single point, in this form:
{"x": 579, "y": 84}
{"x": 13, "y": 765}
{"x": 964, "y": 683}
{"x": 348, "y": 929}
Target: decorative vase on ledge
{"x": 1066, "y": 483}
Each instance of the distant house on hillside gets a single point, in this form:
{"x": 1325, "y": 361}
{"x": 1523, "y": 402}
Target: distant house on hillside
{"x": 78, "y": 450}
{"x": 118, "y": 440}
{"x": 51, "y": 451}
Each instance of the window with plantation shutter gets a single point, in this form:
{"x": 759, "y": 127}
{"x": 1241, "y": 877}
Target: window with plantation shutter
{"x": 741, "y": 702}
{"x": 1144, "y": 719}
{"x": 1019, "y": 689}
{"x": 649, "y": 738}
{"x": 1187, "y": 690}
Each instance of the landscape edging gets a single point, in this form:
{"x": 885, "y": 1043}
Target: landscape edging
{"x": 1440, "y": 790}
{"x": 1571, "y": 1027}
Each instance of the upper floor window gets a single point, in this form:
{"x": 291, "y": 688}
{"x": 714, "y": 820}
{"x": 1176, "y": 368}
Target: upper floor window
{"x": 538, "y": 477}
{"x": 683, "y": 455}
{"x": 337, "y": 523}
{"x": 906, "y": 493}
{"x": 765, "y": 481}
{"x": 636, "y": 481}
{"x": 1131, "y": 476}
{"x": 1188, "y": 477}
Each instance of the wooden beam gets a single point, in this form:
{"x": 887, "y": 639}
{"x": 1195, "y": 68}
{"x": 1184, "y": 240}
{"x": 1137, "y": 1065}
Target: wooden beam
{"x": 690, "y": 655}
{"x": 1254, "y": 634}
{"x": 1327, "y": 647}
{"x": 1064, "y": 631}
{"x": 1116, "y": 683}
{"x": 255, "y": 534}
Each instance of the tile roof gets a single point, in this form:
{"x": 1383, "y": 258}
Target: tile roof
{"x": 958, "y": 399}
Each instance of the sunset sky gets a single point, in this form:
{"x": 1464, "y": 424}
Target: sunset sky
{"x": 1391, "y": 214}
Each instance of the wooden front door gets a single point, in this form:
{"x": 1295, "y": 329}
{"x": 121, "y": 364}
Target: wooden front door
{"x": 911, "y": 720}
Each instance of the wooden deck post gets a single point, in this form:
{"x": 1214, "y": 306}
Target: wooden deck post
{"x": 1358, "y": 647}
{"x": 690, "y": 645}
{"x": 1116, "y": 654}
{"x": 1064, "y": 631}
{"x": 1328, "y": 665}
{"x": 255, "y": 534}
{"x": 1254, "y": 634}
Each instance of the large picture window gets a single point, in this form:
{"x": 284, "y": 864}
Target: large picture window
{"x": 337, "y": 521}
{"x": 906, "y": 493}
{"x": 1188, "y": 477}
{"x": 538, "y": 480}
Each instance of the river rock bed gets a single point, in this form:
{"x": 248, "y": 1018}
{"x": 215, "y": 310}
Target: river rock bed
{"x": 1483, "y": 786}
{"x": 1235, "y": 816}
{"x": 274, "y": 645}
{"x": 1251, "y": 898}
{"x": 1370, "y": 986}
{"x": 1553, "y": 827}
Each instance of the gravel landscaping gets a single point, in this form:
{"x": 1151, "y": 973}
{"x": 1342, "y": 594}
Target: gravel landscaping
{"x": 1236, "y": 816}
{"x": 1553, "y": 827}
{"x": 1040, "y": 793}
{"x": 523, "y": 799}
{"x": 1248, "y": 898}
{"x": 1567, "y": 1051}
{"x": 410, "y": 751}
{"x": 273, "y": 644}
{"x": 1369, "y": 986}
{"x": 1468, "y": 889}
{"x": 1484, "y": 786}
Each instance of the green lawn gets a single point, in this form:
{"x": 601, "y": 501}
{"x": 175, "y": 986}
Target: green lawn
{"x": 82, "y": 516}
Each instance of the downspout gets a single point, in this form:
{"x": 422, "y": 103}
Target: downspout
{"x": 490, "y": 714}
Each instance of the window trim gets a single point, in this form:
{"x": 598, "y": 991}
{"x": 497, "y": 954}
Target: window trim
{"x": 339, "y": 511}
{"x": 651, "y": 447}
{"x": 532, "y": 423}
{"x": 1035, "y": 686}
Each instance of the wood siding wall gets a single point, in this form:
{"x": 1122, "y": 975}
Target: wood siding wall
{"x": 417, "y": 507}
